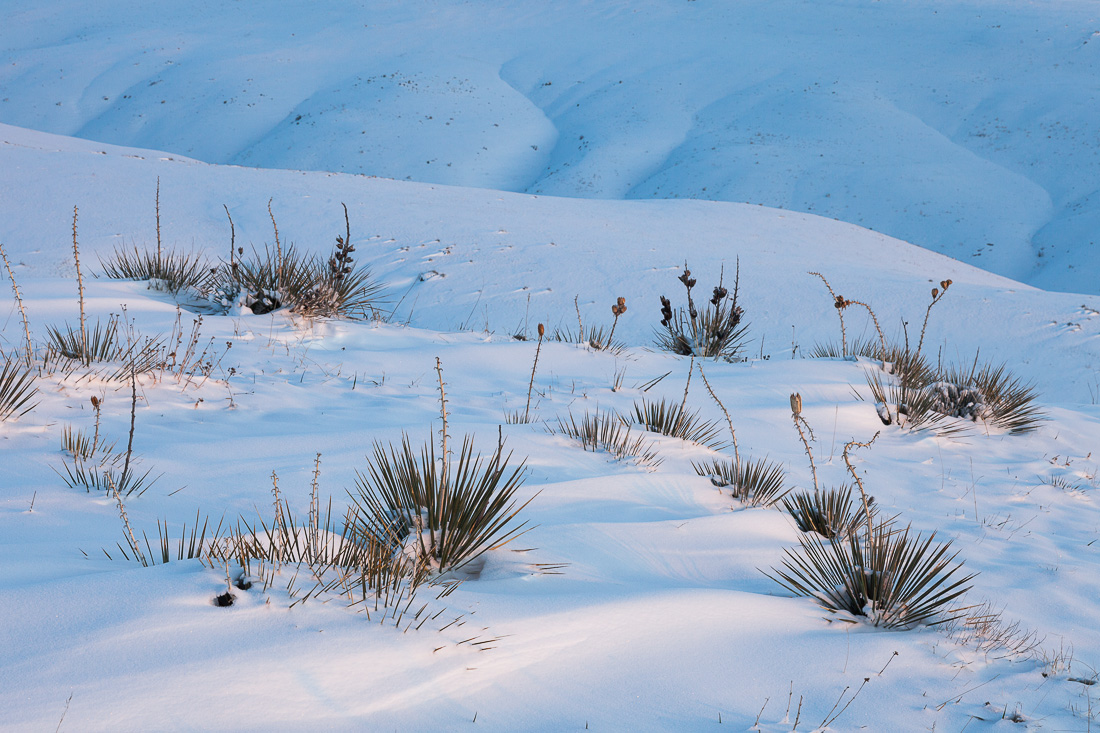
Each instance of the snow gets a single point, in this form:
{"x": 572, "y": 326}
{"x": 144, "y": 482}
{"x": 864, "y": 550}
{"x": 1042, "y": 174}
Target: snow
{"x": 636, "y": 600}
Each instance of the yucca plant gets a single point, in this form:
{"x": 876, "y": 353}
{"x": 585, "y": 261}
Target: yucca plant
{"x": 100, "y": 475}
{"x": 673, "y": 419}
{"x": 716, "y": 331}
{"x": 16, "y": 390}
{"x": 990, "y": 394}
{"x": 606, "y": 431}
{"x": 829, "y": 513}
{"x": 755, "y": 483}
{"x": 316, "y": 287}
{"x": 171, "y": 271}
{"x": 891, "y": 578}
{"x": 443, "y": 516}
{"x": 105, "y": 343}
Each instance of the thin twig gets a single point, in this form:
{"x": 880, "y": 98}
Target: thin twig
{"x": 799, "y": 422}
{"x": 534, "y": 366}
{"x": 159, "y": 260}
{"x": 133, "y": 417}
{"x": 19, "y": 302}
{"x": 839, "y": 313}
{"x": 859, "y": 482}
{"x": 125, "y": 520}
{"x": 733, "y": 435}
{"x": 80, "y": 285}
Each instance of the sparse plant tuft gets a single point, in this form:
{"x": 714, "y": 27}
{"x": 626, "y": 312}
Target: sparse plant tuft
{"x": 672, "y": 419}
{"x": 754, "y": 483}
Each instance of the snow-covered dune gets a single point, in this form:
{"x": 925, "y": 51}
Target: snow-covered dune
{"x": 968, "y": 128}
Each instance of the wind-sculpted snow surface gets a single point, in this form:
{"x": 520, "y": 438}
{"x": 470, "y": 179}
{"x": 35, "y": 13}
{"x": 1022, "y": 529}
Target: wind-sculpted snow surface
{"x": 968, "y": 128}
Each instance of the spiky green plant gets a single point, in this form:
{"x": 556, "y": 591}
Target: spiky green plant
{"x": 606, "y": 431}
{"x": 892, "y": 579}
{"x": 755, "y": 483}
{"x": 172, "y": 271}
{"x": 598, "y": 338}
{"x": 444, "y": 519}
{"x": 829, "y": 513}
{"x": 16, "y": 390}
{"x": 673, "y": 419}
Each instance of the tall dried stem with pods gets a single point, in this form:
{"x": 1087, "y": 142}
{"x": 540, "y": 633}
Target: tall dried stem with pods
{"x": 534, "y": 366}
{"x": 618, "y": 309}
{"x": 80, "y": 285}
{"x": 687, "y": 386}
{"x": 733, "y": 435}
{"x": 799, "y": 423}
{"x": 19, "y": 302}
{"x": 859, "y": 482}
{"x": 840, "y": 302}
{"x": 937, "y": 294}
{"x": 839, "y": 312}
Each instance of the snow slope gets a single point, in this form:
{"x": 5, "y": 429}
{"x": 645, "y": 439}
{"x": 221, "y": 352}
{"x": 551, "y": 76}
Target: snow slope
{"x": 968, "y": 128}
{"x": 661, "y": 618}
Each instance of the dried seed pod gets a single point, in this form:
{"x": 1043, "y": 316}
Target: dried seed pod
{"x": 796, "y": 404}
{"x": 542, "y": 330}
{"x": 621, "y": 302}
{"x": 95, "y": 402}
{"x": 935, "y": 293}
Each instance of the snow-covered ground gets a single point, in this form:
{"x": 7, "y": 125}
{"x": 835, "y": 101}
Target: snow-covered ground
{"x": 636, "y": 601}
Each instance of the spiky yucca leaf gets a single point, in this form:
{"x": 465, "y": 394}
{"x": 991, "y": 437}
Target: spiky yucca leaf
{"x": 445, "y": 518}
{"x": 892, "y": 579}
{"x": 756, "y": 483}
{"x": 829, "y": 513}
{"x": 671, "y": 418}
{"x": 16, "y": 391}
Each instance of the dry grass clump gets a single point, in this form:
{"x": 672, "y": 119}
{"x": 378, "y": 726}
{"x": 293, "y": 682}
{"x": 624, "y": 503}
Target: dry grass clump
{"x": 715, "y": 332}
{"x": 753, "y": 483}
{"x": 606, "y": 431}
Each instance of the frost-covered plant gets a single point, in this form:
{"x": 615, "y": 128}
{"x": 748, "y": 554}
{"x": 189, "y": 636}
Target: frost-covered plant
{"x": 442, "y": 519}
{"x": 716, "y": 331}
{"x": 922, "y": 398}
{"x": 754, "y": 483}
{"x": 673, "y": 419}
{"x": 891, "y": 578}
{"x": 16, "y": 390}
